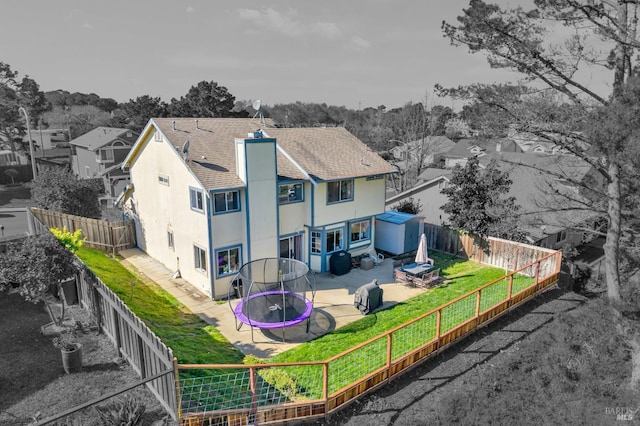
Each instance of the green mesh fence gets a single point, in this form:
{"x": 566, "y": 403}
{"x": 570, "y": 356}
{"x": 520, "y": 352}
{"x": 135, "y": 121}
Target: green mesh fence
{"x": 493, "y": 294}
{"x": 457, "y": 313}
{"x": 413, "y": 336}
{"x": 355, "y": 365}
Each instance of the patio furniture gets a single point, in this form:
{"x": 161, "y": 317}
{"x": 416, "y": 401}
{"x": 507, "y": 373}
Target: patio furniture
{"x": 417, "y": 269}
{"x": 429, "y": 279}
{"x": 401, "y": 277}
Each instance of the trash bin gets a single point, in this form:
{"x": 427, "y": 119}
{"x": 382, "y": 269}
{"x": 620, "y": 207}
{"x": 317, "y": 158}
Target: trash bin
{"x": 340, "y": 263}
{"x": 368, "y": 297}
{"x": 70, "y": 291}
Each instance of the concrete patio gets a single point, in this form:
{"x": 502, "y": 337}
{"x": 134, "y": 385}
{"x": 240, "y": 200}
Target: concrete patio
{"x": 333, "y": 304}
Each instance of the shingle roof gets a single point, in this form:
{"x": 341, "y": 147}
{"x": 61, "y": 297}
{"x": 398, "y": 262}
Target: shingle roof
{"x": 98, "y": 137}
{"x": 323, "y": 153}
{"x": 327, "y": 153}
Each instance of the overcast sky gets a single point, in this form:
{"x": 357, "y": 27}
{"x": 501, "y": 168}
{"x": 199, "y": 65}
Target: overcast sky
{"x": 356, "y": 53}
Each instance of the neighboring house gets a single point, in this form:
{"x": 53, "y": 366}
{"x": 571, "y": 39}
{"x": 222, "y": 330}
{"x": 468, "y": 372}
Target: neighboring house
{"x": 533, "y": 190}
{"x": 212, "y": 194}
{"x": 44, "y": 139}
{"x": 427, "y": 194}
{"x": 98, "y": 154}
{"x": 464, "y": 149}
{"x": 10, "y": 158}
{"x": 426, "y": 149}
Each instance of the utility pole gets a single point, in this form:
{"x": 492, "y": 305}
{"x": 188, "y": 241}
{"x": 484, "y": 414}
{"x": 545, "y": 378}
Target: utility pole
{"x": 33, "y": 158}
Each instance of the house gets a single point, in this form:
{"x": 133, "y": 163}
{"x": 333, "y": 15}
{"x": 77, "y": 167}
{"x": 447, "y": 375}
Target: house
{"x": 211, "y": 194}
{"x": 427, "y": 194}
{"x": 467, "y": 148}
{"x": 426, "y": 149}
{"x": 98, "y": 154}
{"x": 539, "y": 182}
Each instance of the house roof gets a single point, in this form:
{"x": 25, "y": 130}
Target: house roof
{"x": 319, "y": 153}
{"x": 463, "y": 148}
{"x": 534, "y": 178}
{"x": 326, "y": 153}
{"x": 99, "y": 137}
{"x": 436, "y": 144}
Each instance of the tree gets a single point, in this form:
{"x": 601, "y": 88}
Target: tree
{"x": 409, "y": 205}
{"x": 136, "y": 113}
{"x": 12, "y": 173}
{"x": 477, "y": 201}
{"x": 521, "y": 40}
{"x": 60, "y": 190}
{"x": 37, "y": 264}
{"x": 206, "y": 99}
{"x": 15, "y": 93}
{"x": 558, "y": 47}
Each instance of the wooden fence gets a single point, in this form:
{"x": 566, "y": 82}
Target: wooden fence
{"x": 100, "y": 234}
{"x": 498, "y": 252}
{"x": 133, "y": 340}
{"x": 376, "y": 361}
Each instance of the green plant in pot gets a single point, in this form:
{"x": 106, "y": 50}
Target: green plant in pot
{"x": 70, "y": 350}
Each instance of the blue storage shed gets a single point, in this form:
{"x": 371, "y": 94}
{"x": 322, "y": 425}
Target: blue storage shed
{"x": 398, "y": 232}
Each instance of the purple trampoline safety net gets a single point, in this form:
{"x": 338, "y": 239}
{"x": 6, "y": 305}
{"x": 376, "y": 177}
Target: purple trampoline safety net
{"x": 273, "y": 309}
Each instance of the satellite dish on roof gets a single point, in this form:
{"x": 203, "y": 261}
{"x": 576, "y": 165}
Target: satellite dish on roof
{"x": 257, "y": 105}
{"x": 185, "y": 150}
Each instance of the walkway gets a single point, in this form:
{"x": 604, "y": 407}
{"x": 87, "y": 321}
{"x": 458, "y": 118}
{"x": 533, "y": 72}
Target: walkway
{"x": 333, "y": 307}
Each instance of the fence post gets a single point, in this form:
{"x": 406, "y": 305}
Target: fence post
{"x": 510, "y": 290}
{"x": 116, "y": 331}
{"x": 325, "y": 385}
{"x": 254, "y": 397}
{"x": 389, "y": 350}
{"x": 438, "y": 323}
{"x": 143, "y": 370}
{"x": 537, "y": 275}
{"x": 477, "y": 307}
{"x": 176, "y": 375}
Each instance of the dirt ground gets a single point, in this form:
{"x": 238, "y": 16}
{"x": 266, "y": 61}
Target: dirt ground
{"x": 33, "y": 383}
{"x": 421, "y": 396}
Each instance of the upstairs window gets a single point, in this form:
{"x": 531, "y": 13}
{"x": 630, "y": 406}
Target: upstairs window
{"x": 163, "y": 179}
{"x": 290, "y": 193}
{"x": 339, "y": 191}
{"x": 106, "y": 155}
{"x": 196, "y": 198}
{"x": 224, "y": 202}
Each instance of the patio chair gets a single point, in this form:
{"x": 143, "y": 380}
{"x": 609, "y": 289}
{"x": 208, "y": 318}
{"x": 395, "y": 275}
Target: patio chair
{"x": 427, "y": 280}
{"x": 401, "y": 277}
{"x": 377, "y": 257}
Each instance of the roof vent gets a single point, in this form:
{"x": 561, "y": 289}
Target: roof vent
{"x": 174, "y": 124}
{"x": 198, "y": 128}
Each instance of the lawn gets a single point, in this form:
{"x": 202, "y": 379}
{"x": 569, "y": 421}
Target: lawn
{"x": 196, "y": 342}
{"x": 192, "y": 340}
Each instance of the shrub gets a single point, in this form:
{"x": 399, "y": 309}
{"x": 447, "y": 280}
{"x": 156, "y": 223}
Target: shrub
{"x": 122, "y": 413}
{"x": 72, "y": 241}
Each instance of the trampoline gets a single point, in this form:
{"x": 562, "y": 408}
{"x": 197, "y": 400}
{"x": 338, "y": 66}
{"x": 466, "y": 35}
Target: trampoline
{"x": 274, "y": 294}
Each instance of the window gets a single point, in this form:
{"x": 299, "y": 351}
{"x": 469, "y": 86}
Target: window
{"x": 561, "y": 236}
{"x": 170, "y": 239}
{"x": 340, "y": 190}
{"x": 106, "y": 155}
{"x": 195, "y": 195}
{"x": 316, "y": 242}
{"x": 226, "y": 202}
{"x": 360, "y": 231}
{"x": 228, "y": 260}
{"x": 163, "y": 179}
{"x": 290, "y": 193}
{"x": 334, "y": 240}
{"x": 200, "y": 258}
{"x": 158, "y": 136}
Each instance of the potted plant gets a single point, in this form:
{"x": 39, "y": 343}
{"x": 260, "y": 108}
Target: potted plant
{"x": 70, "y": 350}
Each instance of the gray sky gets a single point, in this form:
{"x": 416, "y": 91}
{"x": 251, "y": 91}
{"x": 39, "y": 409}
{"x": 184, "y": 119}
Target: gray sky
{"x": 356, "y": 53}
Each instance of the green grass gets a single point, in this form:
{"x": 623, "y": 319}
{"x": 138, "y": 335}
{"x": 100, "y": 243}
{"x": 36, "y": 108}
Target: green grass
{"x": 196, "y": 342}
{"x": 192, "y": 340}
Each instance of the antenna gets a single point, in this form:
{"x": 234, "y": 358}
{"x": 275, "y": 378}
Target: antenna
{"x": 257, "y": 105}
{"x": 185, "y": 150}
